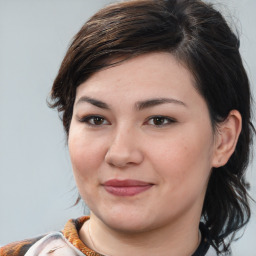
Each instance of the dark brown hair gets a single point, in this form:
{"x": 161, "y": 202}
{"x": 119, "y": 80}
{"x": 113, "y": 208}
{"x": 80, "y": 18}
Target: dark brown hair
{"x": 199, "y": 37}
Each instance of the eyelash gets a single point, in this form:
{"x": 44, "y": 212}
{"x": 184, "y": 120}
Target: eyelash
{"x": 164, "y": 120}
{"x": 89, "y": 118}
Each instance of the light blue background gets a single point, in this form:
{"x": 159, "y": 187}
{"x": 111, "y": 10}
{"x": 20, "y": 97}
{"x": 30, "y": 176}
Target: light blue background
{"x": 36, "y": 183}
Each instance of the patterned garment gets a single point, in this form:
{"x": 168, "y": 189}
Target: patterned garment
{"x": 68, "y": 243}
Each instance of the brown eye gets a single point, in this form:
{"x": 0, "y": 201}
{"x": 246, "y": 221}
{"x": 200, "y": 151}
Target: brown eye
{"x": 97, "y": 120}
{"x": 159, "y": 121}
{"x": 94, "y": 120}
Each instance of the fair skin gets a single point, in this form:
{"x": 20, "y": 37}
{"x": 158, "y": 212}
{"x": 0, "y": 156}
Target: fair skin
{"x": 143, "y": 120}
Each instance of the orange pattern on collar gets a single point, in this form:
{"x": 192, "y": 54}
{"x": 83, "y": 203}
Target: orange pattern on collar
{"x": 70, "y": 232}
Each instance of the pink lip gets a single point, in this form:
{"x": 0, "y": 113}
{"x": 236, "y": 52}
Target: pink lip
{"x": 126, "y": 187}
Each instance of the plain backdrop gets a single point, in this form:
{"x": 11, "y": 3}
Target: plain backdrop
{"x": 37, "y": 190}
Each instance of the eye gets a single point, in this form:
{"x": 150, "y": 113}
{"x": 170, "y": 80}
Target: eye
{"x": 160, "y": 120}
{"x": 94, "y": 120}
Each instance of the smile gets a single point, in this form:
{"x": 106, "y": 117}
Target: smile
{"x": 126, "y": 187}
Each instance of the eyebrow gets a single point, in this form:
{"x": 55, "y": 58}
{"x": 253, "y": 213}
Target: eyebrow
{"x": 97, "y": 103}
{"x": 140, "y": 105}
{"x": 158, "y": 101}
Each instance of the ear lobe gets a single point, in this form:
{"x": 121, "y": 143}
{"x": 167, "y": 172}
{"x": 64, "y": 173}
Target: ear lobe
{"x": 227, "y": 136}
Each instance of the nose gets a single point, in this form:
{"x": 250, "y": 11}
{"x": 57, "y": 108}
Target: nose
{"x": 124, "y": 149}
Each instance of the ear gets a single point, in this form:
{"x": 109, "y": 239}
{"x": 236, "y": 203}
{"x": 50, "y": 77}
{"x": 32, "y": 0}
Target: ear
{"x": 226, "y": 138}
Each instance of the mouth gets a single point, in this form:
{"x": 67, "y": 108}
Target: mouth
{"x": 126, "y": 187}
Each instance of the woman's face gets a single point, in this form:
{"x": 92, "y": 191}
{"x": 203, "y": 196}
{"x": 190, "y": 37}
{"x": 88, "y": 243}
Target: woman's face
{"x": 141, "y": 144}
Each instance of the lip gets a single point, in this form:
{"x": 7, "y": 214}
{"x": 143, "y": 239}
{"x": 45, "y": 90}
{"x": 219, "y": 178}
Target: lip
{"x": 126, "y": 187}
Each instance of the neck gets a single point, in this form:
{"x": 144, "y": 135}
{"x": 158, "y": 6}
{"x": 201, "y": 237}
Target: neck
{"x": 169, "y": 240}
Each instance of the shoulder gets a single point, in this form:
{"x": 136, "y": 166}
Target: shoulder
{"x": 53, "y": 243}
{"x": 65, "y": 242}
{"x": 18, "y": 248}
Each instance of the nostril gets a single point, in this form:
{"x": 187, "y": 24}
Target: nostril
{"x": 123, "y": 158}
{"x": 117, "y": 159}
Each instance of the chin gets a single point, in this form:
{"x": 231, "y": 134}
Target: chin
{"x": 129, "y": 226}
{"x": 127, "y": 222}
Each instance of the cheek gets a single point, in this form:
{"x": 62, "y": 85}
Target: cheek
{"x": 77, "y": 154}
{"x": 185, "y": 161}
{"x": 84, "y": 163}
{"x": 85, "y": 154}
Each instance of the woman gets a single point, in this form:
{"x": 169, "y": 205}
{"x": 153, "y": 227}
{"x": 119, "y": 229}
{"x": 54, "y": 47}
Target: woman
{"x": 155, "y": 102}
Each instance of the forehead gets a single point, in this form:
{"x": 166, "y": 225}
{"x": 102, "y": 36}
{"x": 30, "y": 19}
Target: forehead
{"x": 146, "y": 71}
